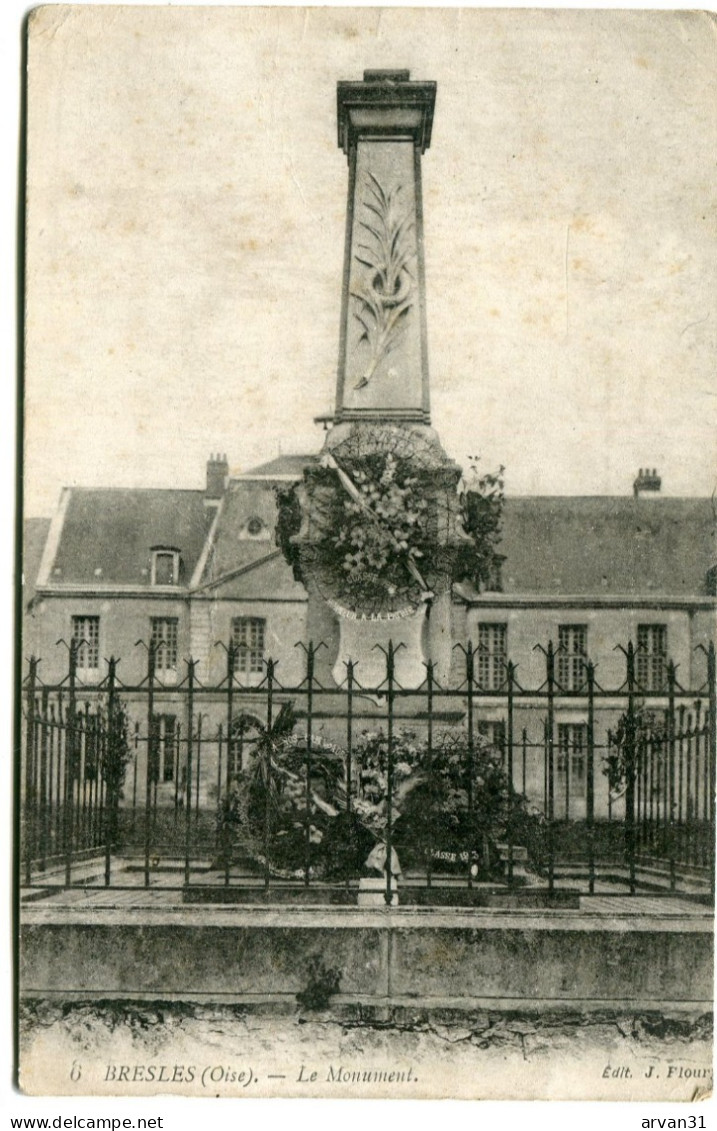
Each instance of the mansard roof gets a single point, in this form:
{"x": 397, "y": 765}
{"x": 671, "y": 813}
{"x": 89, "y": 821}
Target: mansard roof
{"x": 34, "y": 538}
{"x": 115, "y": 530}
{"x": 233, "y": 547}
{"x": 553, "y": 545}
{"x": 607, "y": 545}
{"x": 281, "y": 468}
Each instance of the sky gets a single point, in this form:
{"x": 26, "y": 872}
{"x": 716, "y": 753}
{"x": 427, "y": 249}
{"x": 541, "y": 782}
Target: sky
{"x": 186, "y": 203}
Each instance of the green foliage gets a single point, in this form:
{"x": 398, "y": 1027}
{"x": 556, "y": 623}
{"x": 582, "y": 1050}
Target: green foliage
{"x": 116, "y": 752}
{"x": 371, "y": 755}
{"x": 436, "y": 817}
{"x": 274, "y": 788}
{"x": 450, "y": 803}
{"x": 379, "y": 533}
{"x": 376, "y": 538}
{"x": 288, "y": 524}
{"x": 112, "y": 729}
{"x": 229, "y": 822}
{"x": 376, "y": 533}
{"x": 481, "y": 502}
{"x": 629, "y": 745}
{"x": 345, "y": 846}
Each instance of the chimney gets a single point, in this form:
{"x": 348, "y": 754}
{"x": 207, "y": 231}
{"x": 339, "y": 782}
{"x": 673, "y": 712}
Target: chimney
{"x": 648, "y": 483}
{"x": 217, "y": 477}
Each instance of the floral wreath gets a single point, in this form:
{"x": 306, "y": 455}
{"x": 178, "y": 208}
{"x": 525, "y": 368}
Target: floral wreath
{"x": 374, "y": 549}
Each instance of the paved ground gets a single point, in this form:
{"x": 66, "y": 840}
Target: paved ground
{"x": 165, "y": 891}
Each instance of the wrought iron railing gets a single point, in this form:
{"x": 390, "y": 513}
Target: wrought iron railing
{"x": 629, "y": 806}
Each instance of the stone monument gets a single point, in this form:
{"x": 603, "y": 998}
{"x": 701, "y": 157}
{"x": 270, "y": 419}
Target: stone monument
{"x": 379, "y": 513}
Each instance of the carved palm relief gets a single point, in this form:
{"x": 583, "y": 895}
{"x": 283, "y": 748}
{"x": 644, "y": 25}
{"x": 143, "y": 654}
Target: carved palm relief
{"x": 385, "y": 298}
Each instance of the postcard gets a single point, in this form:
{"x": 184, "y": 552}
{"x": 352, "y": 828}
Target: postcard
{"x": 368, "y": 677}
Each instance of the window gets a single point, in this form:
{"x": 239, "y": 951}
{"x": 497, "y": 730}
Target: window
{"x": 651, "y": 658}
{"x": 165, "y": 566}
{"x": 572, "y": 655}
{"x": 164, "y": 638}
{"x": 491, "y": 656}
{"x": 163, "y": 748}
{"x": 571, "y": 758}
{"x": 86, "y": 635}
{"x": 495, "y": 733}
{"x": 248, "y": 635}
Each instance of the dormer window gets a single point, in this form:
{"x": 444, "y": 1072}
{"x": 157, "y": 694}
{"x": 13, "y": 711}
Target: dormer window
{"x": 165, "y": 566}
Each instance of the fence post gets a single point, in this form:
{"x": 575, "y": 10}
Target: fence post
{"x": 231, "y": 665}
{"x": 349, "y": 740}
{"x": 176, "y": 766}
{"x": 84, "y": 836}
{"x": 191, "y": 664}
{"x": 307, "y": 782}
{"x": 29, "y": 830}
{"x": 511, "y": 679}
{"x": 70, "y": 762}
{"x": 270, "y": 665}
{"x": 349, "y": 729}
{"x": 429, "y": 692}
{"x": 689, "y": 797}
{"x": 470, "y": 671}
{"x": 222, "y": 835}
{"x": 550, "y": 760}
{"x": 112, "y": 753}
{"x": 712, "y": 753}
{"x": 151, "y": 660}
{"x": 630, "y": 767}
{"x": 59, "y": 736}
{"x": 200, "y": 718}
{"x": 590, "y": 799}
{"x": 390, "y": 672}
{"x": 699, "y": 775}
{"x": 671, "y": 681}
{"x": 681, "y": 780}
{"x": 45, "y": 779}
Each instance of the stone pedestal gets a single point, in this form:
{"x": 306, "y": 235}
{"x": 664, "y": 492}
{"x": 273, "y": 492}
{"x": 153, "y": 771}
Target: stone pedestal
{"x": 372, "y": 893}
{"x": 366, "y": 641}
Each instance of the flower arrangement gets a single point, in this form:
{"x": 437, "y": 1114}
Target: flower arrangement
{"x": 481, "y": 507}
{"x": 375, "y": 548}
{"x": 381, "y": 531}
{"x": 371, "y": 754}
{"x": 275, "y": 782}
{"x": 379, "y": 537}
{"x": 449, "y": 804}
{"x": 629, "y": 746}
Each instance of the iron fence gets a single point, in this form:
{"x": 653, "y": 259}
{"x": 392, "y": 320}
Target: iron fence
{"x": 117, "y": 789}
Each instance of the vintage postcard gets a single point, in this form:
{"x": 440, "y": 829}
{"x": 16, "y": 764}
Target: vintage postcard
{"x": 367, "y": 741}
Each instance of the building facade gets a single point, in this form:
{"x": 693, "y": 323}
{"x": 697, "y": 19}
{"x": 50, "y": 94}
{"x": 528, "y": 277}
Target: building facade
{"x": 198, "y": 575}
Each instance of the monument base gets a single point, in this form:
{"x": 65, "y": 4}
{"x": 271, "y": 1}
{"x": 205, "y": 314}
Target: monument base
{"x": 372, "y": 892}
{"x": 365, "y": 640}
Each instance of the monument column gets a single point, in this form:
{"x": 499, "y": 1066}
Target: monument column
{"x": 379, "y": 515}
{"x": 384, "y": 128}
